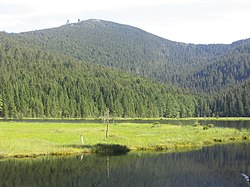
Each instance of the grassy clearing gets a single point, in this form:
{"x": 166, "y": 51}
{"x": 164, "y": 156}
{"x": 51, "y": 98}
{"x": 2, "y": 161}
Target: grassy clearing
{"x": 31, "y": 139}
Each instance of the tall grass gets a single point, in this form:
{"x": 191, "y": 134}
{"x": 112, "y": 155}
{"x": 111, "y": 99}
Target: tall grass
{"x": 30, "y": 139}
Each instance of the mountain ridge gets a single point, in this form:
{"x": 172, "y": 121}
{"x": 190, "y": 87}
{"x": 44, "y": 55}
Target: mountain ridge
{"x": 132, "y": 49}
{"x": 213, "y": 73}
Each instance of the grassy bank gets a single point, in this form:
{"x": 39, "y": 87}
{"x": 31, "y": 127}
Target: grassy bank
{"x": 31, "y": 139}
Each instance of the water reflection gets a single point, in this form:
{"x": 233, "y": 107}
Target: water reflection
{"x": 218, "y": 166}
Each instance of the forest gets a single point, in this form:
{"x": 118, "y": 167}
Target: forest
{"x": 38, "y": 84}
{"x": 80, "y": 70}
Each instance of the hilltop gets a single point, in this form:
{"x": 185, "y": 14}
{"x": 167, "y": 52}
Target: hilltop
{"x": 138, "y": 52}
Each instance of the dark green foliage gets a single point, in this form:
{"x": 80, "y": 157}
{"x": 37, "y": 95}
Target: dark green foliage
{"x": 110, "y": 149}
{"x": 44, "y": 74}
{"x": 205, "y": 128}
{"x": 222, "y": 72}
{"x": 217, "y": 140}
{"x": 41, "y": 84}
{"x": 200, "y": 67}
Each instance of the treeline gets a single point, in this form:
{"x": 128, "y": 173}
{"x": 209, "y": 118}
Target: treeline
{"x": 232, "y": 102}
{"x": 36, "y": 83}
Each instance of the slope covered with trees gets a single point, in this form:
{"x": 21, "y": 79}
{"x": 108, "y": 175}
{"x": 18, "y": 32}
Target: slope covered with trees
{"x": 77, "y": 70}
{"x": 222, "y": 72}
{"x": 37, "y": 83}
{"x": 138, "y": 52}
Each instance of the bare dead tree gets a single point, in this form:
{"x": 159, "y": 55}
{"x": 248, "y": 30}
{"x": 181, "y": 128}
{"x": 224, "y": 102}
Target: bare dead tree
{"x": 106, "y": 121}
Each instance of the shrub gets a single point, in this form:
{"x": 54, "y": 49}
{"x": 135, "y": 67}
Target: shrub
{"x": 210, "y": 125}
{"x": 217, "y": 140}
{"x": 197, "y": 124}
{"x": 155, "y": 124}
{"x": 110, "y": 149}
{"x": 205, "y": 127}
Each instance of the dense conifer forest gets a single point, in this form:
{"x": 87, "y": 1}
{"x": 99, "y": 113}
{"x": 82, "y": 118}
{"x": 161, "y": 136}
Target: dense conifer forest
{"x": 80, "y": 69}
{"x": 40, "y": 84}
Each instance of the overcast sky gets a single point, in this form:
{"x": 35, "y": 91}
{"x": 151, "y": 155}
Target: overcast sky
{"x": 189, "y": 21}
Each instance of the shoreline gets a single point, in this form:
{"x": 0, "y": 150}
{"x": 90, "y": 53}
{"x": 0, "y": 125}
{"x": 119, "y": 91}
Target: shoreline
{"x": 125, "y": 119}
{"x": 140, "y": 150}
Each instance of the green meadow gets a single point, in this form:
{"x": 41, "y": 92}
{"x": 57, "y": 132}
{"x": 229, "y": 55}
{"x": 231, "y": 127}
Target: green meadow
{"x": 34, "y": 139}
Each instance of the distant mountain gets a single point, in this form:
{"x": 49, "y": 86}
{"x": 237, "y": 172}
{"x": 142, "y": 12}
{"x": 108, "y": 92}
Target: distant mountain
{"x": 136, "y": 51}
{"x": 213, "y": 73}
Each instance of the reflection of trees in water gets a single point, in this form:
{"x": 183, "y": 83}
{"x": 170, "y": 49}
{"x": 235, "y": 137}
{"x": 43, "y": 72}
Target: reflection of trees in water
{"x": 216, "y": 166}
{"x": 49, "y": 171}
{"x": 108, "y": 168}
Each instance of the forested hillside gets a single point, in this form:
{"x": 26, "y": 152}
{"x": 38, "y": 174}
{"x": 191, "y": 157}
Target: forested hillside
{"x": 37, "y": 83}
{"x": 80, "y": 69}
{"x": 136, "y": 51}
{"x": 222, "y": 72}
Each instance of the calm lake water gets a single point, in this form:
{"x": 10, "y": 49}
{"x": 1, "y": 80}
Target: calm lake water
{"x": 218, "y": 166}
{"x": 239, "y": 124}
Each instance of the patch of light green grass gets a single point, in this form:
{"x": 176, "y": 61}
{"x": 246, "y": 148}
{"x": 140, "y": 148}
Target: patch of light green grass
{"x": 64, "y": 138}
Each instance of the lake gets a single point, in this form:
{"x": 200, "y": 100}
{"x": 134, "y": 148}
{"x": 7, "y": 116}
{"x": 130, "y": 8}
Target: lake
{"x": 238, "y": 124}
{"x": 217, "y": 166}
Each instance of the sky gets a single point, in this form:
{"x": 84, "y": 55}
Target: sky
{"x": 189, "y": 21}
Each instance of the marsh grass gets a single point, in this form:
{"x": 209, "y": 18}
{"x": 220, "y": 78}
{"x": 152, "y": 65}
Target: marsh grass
{"x": 32, "y": 139}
